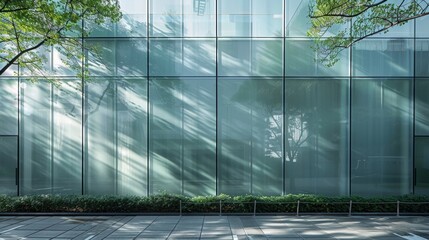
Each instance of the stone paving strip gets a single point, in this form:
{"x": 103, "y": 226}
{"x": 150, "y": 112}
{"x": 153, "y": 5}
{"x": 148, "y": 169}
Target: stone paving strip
{"x": 213, "y": 227}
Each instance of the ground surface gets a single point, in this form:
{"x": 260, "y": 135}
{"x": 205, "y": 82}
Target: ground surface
{"x": 213, "y": 227}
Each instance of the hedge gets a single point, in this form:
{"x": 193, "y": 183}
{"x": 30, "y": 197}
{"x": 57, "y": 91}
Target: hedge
{"x": 173, "y": 204}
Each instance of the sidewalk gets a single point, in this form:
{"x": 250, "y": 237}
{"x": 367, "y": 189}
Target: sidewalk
{"x": 213, "y": 227}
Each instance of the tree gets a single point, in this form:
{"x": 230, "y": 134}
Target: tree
{"x": 28, "y": 25}
{"x": 354, "y": 20}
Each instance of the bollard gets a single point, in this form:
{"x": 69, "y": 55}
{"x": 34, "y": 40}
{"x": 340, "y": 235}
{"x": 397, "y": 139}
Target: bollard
{"x": 180, "y": 207}
{"x": 220, "y": 207}
{"x": 254, "y": 208}
{"x": 350, "y": 208}
{"x": 397, "y": 208}
{"x": 297, "y": 209}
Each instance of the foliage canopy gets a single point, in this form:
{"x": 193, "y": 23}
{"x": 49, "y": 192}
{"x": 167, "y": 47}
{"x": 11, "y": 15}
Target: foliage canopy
{"x": 353, "y": 20}
{"x": 28, "y": 25}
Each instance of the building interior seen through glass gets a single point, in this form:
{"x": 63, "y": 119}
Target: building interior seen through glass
{"x": 203, "y": 97}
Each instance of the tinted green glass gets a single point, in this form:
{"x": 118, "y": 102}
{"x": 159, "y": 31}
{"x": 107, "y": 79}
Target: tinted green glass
{"x": 422, "y": 107}
{"x": 381, "y": 133}
{"x": 301, "y": 60}
{"x": 316, "y": 122}
{"x": 422, "y": 58}
{"x": 243, "y": 18}
{"x": 250, "y": 57}
{"x": 186, "y": 18}
{"x": 421, "y": 27}
{"x": 117, "y": 57}
{"x": 50, "y": 139}
{"x": 134, "y": 19}
{"x": 116, "y": 137}
{"x": 387, "y": 57}
{"x": 182, "y": 57}
{"x": 250, "y": 123}
{"x": 183, "y": 136}
{"x": 422, "y": 165}
{"x": 8, "y": 106}
{"x": 8, "y": 163}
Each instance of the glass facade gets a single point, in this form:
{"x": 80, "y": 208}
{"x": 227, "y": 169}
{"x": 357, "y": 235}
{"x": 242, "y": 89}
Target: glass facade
{"x": 203, "y": 97}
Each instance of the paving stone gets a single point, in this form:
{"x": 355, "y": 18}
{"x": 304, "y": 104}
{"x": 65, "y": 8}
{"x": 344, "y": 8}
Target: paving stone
{"x": 18, "y": 233}
{"x": 46, "y": 234}
{"x": 70, "y": 234}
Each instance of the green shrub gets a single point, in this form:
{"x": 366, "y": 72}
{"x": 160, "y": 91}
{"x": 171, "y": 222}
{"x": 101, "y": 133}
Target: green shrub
{"x": 168, "y": 203}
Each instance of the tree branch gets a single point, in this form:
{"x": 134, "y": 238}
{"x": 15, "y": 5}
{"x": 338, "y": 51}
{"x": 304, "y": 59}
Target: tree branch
{"x": 12, "y": 61}
{"x": 342, "y": 15}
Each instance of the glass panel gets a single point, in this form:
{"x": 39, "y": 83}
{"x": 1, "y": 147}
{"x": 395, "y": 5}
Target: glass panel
{"x": 134, "y": 18}
{"x": 9, "y": 106}
{"x": 67, "y": 139}
{"x": 298, "y": 22}
{"x": 35, "y": 139}
{"x": 243, "y": 18}
{"x": 8, "y": 163}
{"x": 117, "y": 57}
{"x": 186, "y": 18}
{"x": 406, "y": 30}
{"x": 199, "y": 18}
{"x": 390, "y": 57}
{"x": 183, "y": 136}
{"x": 250, "y": 124}
{"x": 53, "y": 64}
{"x": 381, "y": 137}
{"x": 421, "y": 27}
{"x": 182, "y": 57}
{"x": 301, "y": 60}
{"x": 422, "y": 107}
{"x": 422, "y": 58}
{"x": 316, "y": 121}
{"x": 45, "y": 68}
{"x": 8, "y": 46}
{"x": 106, "y": 29}
{"x": 100, "y": 59}
{"x": 50, "y": 150}
{"x": 422, "y": 165}
{"x": 403, "y": 31}
{"x": 59, "y": 68}
{"x": 116, "y": 137}
{"x": 165, "y": 18}
{"x": 131, "y": 57}
{"x": 243, "y": 57}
